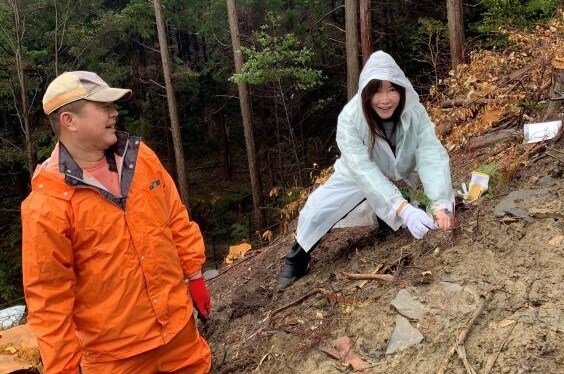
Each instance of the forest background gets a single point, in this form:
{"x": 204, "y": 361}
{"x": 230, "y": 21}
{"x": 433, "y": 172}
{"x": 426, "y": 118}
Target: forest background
{"x": 295, "y": 68}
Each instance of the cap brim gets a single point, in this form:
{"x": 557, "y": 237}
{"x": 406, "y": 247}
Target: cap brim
{"x": 109, "y": 95}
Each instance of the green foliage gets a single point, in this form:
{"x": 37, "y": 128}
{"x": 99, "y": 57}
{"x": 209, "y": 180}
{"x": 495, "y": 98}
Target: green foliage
{"x": 520, "y": 14}
{"x": 10, "y": 261}
{"x": 277, "y": 58}
{"x": 44, "y": 142}
{"x": 530, "y": 106}
{"x": 516, "y": 13}
{"x": 11, "y": 153}
{"x": 430, "y": 45}
{"x": 432, "y": 29}
{"x": 239, "y": 232}
{"x": 417, "y": 195}
{"x": 138, "y": 17}
{"x": 228, "y": 219}
{"x": 489, "y": 169}
{"x": 497, "y": 178}
{"x": 140, "y": 126}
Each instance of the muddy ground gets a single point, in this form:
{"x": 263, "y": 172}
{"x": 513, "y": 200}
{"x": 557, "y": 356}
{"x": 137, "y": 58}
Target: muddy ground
{"x": 505, "y": 256}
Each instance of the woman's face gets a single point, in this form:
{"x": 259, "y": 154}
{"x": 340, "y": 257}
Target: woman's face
{"x": 385, "y": 101}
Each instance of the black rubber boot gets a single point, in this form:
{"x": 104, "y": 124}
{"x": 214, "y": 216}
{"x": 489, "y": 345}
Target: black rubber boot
{"x": 383, "y": 229}
{"x": 295, "y": 266}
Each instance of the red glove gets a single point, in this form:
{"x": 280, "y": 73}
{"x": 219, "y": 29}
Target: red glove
{"x": 200, "y": 297}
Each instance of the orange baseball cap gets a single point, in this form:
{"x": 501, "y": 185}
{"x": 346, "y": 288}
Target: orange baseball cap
{"x": 76, "y": 85}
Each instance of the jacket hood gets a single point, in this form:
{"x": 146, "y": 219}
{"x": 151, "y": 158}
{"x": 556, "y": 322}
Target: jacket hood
{"x": 382, "y": 66}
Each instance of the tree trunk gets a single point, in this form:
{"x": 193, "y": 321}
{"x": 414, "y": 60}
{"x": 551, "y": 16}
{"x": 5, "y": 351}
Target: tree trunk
{"x": 171, "y": 101}
{"x": 246, "y": 114}
{"x": 456, "y": 32}
{"x": 365, "y": 29}
{"x": 56, "y": 41}
{"x": 24, "y": 115}
{"x": 226, "y": 149}
{"x": 351, "y": 31}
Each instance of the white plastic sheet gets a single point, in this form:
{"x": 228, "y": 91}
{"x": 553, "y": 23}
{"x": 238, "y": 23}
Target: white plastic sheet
{"x": 12, "y": 316}
{"x": 537, "y": 132}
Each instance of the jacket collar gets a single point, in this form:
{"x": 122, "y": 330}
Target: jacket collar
{"x": 74, "y": 173}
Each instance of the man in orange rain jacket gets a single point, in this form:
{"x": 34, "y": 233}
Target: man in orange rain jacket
{"x": 111, "y": 261}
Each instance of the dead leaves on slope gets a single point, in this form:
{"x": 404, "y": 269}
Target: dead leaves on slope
{"x": 496, "y": 84}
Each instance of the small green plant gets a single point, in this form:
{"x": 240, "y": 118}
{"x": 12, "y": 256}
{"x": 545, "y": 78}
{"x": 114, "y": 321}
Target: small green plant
{"x": 497, "y": 178}
{"x": 530, "y": 106}
{"x": 417, "y": 195}
{"x": 489, "y": 169}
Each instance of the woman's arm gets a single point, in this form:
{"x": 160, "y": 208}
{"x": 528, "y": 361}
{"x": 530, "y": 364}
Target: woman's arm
{"x": 434, "y": 170}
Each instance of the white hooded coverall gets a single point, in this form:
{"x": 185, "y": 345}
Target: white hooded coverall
{"x": 419, "y": 154}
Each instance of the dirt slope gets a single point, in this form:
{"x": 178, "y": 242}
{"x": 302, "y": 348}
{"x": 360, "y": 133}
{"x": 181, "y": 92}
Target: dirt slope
{"x": 521, "y": 262}
{"x": 502, "y": 265}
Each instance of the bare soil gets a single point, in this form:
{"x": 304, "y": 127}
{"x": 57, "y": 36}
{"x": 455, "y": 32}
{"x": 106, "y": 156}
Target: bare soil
{"x": 517, "y": 258}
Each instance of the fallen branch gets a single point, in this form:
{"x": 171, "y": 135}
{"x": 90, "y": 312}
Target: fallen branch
{"x": 363, "y": 283}
{"x": 261, "y": 361}
{"x": 461, "y": 350}
{"x": 523, "y": 71}
{"x": 249, "y": 255}
{"x": 464, "y": 334}
{"x": 491, "y": 362}
{"x": 361, "y": 276}
{"x": 260, "y": 328}
{"x": 295, "y": 302}
{"x": 555, "y": 150}
{"x": 554, "y": 156}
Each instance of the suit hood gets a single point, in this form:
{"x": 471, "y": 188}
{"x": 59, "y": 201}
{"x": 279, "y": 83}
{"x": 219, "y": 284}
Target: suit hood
{"x": 382, "y": 66}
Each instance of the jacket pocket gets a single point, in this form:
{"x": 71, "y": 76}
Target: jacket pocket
{"x": 156, "y": 200}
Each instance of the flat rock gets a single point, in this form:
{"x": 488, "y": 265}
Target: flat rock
{"x": 408, "y": 306}
{"x": 515, "y": 203}
{"x": 404, "y": 335}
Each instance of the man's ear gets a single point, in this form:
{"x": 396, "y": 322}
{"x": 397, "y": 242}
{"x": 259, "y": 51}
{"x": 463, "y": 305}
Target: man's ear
{"x": 67, "y": 120}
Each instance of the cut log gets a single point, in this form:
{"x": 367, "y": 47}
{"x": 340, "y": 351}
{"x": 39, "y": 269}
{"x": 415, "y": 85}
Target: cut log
{"x": 492, "y": 138}
{"x": 454, "y": 103}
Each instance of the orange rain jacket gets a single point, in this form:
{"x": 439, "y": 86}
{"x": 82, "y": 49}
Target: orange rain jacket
{"x": 103, "y": 276}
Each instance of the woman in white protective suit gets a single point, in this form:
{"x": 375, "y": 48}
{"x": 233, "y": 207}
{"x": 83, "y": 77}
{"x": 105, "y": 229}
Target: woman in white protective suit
{"x": 384, "y": 135}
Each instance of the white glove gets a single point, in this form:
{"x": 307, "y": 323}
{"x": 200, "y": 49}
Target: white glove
{"x": 477, "y": 187}
{"x": 417, "y": 221}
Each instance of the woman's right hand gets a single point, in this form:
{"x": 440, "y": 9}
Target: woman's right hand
{"x": 444, "y": 219}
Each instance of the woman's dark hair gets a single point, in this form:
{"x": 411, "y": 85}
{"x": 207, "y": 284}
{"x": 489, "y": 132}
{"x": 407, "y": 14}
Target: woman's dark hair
{"x": 375, "y": 123}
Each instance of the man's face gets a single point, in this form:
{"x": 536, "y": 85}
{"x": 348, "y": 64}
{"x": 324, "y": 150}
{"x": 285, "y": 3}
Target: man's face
{"x": 95, "y": 125}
